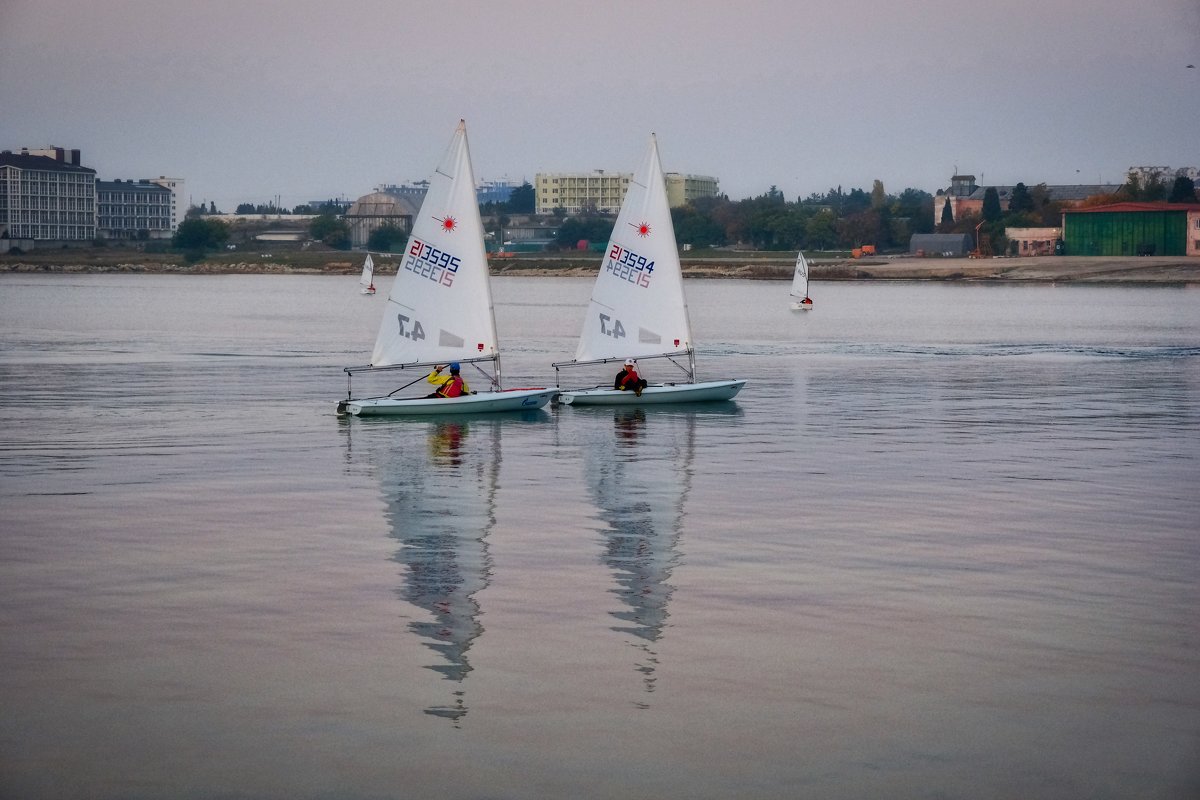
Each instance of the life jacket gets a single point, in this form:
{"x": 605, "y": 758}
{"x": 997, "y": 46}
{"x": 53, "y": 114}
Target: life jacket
{"x": 627, "y": 377}
{"x": 453, "y": 387}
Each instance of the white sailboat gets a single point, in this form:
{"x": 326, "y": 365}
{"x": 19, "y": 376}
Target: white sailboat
{"x": 368, "y": 276}
{"x": 439, "y": 309}
{"x": 637, "y": 308}
{"x": 800, "y": 299}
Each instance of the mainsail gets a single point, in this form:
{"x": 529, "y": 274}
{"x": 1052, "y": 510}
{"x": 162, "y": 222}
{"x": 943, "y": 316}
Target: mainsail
{"x": 439, "y": 308}
{"x": 368, "y": 273}
{"x": 800, "y": 278}
{"x": 638, "y": 306}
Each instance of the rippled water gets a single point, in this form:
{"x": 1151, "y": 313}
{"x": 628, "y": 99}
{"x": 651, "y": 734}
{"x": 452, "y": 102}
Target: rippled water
{"x": 944, "y": 544}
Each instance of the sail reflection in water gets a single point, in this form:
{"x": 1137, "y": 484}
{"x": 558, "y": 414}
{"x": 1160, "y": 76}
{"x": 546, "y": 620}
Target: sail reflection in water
{"x": 639, "y": 474}
{"x": 440, "y": 506}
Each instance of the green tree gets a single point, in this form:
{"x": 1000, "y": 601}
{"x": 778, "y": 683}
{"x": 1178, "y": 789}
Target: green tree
{"x": 330, "y": 230}
{"x": 1021, "y": 200}
{"x": 695, "y": 228}
{"x": 913, "y": 208}
{"x": 522, "y": 199}
{"x": 878, "y": 196}
{"x": 383, "y": 237}
{"x": 200, "y": 234}
{"x": 991, "y": 204}
{"x": 1183, "y": 190}
{"x": 820, "y": 231}
{"x": 577, "y": 229}
{"x": 856, "y": 200}
{"x": 947, "y": 214}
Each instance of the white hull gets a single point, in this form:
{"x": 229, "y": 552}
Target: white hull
{"x": 798, "y": 306}
{"x": 706, "y": 391}
{"x": 481, "y": 403}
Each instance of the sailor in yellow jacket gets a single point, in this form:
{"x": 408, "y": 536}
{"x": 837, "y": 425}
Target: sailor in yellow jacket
{"x": 451, "y": 385}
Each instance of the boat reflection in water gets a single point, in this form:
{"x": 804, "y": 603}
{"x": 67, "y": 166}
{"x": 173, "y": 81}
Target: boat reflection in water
{"x": 440, "y": 507}
{"x": 639, "y": 475}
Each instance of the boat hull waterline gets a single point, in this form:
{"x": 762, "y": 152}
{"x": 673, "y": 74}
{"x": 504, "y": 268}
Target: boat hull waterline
{"x": 701, "y": 392}
{"x": 483, "y": 402}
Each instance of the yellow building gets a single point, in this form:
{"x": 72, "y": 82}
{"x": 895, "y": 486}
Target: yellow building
{"x": 601, "y": 192}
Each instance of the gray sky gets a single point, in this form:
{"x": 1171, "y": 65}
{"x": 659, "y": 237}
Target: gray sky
{"x": 249, "y": 99}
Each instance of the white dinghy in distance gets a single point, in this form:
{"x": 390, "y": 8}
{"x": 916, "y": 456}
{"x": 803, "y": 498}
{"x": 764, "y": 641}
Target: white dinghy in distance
{"x": 439, "y": 309}
{"x": 367, "y": 281}
{"x": 800, "y": 299}
{"x": 638, "y": 309}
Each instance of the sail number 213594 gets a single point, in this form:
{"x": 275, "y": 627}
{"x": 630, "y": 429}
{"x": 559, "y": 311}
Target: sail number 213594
{"x": 628, "y": 265}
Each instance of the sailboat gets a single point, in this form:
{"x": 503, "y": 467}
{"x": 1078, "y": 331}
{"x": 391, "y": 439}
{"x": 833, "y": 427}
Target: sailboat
{"x": 638, "y": 309}
{"x": 439, "y": 310}
{"x": 368, "y": 276}
{"x": 800, "y": 299}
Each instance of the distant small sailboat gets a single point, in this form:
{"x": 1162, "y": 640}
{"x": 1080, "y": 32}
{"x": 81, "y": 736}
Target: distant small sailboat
{"x": 800, "y": 299}
{"x": 368, "y": 273}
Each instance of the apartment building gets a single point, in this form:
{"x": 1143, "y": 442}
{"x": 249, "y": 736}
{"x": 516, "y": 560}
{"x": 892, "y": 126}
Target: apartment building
{"x": 596, "y": 192}
{"x": 46, "y": 196}
{"x": 601, "y": 192}
{"x": 133, "y": 210}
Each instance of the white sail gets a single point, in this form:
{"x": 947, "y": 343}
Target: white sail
{"x": 368, "y": 272}
{"x": 638, "y": 306}
{"x": 440, "y": 306}
{"x": 800, "y": 278}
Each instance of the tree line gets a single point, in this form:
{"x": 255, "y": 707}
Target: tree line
{"x": 833, "y": 220}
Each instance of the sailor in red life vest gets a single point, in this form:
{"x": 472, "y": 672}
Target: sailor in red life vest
{"x": 628, "y": 378}
{"x": 451, "y": 385}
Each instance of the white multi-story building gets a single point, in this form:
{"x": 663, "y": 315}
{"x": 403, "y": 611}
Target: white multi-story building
{"x": 178, "y": 207}
{"x": 601, "y": 192}
{"x": 133, "y": 210}
{"x": 46, "y": 196}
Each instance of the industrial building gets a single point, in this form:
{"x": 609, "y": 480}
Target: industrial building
{"x": 373, "y": 211}
{"x": 1133, "y": 229}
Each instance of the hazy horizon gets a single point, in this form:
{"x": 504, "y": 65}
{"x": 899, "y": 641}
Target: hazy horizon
{"x": 247, "y": 101}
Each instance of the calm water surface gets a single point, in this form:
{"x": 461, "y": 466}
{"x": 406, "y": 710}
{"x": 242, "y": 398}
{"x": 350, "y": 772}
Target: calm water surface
{"x": 943, "y": 545}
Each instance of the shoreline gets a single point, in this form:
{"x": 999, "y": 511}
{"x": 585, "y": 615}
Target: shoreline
{"x": 1181, "y": 270}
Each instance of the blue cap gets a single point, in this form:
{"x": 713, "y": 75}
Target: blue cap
{"x": 454, "y": 367}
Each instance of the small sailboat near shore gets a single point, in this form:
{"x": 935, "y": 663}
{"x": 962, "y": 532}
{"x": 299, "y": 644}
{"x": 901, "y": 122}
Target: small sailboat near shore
{"x": 800, "y": 299}
{"x": 638, "y": 308}
{"x": 439, "y": 310}
{"x": 367, "y": 281}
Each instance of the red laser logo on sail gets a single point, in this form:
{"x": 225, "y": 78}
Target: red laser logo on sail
{"x": 448, "y": 224}
{"x": 643, "y": 229}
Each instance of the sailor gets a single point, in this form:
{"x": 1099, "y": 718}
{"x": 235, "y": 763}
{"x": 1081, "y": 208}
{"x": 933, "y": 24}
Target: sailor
{"x": 628, "y": 378}
{"x": 451, "y": 385}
